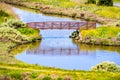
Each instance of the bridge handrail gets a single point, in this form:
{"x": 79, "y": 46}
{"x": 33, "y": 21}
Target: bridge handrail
{"x": 61, "y": 24}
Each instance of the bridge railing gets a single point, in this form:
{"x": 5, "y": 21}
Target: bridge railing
{"x": 61, "y": 25}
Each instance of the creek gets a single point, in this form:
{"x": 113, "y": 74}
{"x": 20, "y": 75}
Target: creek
{"x": 56, "y": 49}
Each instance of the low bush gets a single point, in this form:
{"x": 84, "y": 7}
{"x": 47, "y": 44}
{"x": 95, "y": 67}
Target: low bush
{"x": 3, "y": 13}
{"x": 34, "y": 75}
{"x": 118, "y": 36}
{"x": 10, "y": 34}
{"x": 105, "y": 2}
{"x": 13, "y": 23}
{"x": 16, "y": 75}
{"x": 17, "y": 31}
{"x": 74, "y": 15}
{"x": 106, "y": 66}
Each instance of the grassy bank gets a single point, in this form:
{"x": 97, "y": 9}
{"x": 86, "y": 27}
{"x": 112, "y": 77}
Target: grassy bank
{"x": 13, "y": 69}
{"x": 6, "y": 12}
{"x": 18, "y": 32}
{"x": 71, "y": 8}
{"x": 108, "y": 35}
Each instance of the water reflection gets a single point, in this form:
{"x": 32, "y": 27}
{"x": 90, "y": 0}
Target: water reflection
{"x": 60, "y": 51}
{"x": 25, "y": 47}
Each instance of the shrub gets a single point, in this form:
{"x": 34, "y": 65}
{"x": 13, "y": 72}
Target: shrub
{"x": 105, "y": 2}
{"x": 118, "y": 36}
{"x": 2, "y": 13}
{"x": 106, "y": 66}
{"x": 10, "y": 34}
{"x": 13, "y": 23}
{"x": 34, "y": 75}
{"x": 91, "y": 1}
{"x": 82, "y": 15}
{"x": 74, "y": 34}
{"x": 15, "y": 75}
{"x": 16, "y": 31}
{"x": 74, "y": 15}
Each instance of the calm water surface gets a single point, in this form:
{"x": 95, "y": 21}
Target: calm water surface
{"x": 56, "y": 49}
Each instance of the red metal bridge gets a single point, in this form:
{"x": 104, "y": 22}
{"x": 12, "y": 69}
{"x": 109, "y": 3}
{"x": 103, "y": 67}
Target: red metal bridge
{"x": 62, "y": 25}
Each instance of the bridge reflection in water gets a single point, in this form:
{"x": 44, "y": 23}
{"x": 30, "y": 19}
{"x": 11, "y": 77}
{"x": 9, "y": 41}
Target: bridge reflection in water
{"x": 55, "y": 51}
{"x": 52, "y": 51}
{"x": 58, "y": 46}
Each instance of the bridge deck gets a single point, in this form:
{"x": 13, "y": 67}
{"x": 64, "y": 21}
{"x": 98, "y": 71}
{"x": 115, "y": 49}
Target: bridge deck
{"x": 62, "y": 25}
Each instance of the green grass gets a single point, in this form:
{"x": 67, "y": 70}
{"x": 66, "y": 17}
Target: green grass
{"x": 17, "y": 31}
{"x": 15, "y": 69}
{"x": 102, "y": 32}
{"x": 104, "y": 11}
{"x": 60, "y": 3}
{"x": 34, "y": 73}
{"x": 28, "y": 31}
{"x": 116, "y": 0}
{"x": 102, "y": 36}
{"x": 108, "y": 12}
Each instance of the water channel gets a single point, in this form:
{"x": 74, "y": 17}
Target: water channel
{"x": 56, "y": 49}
